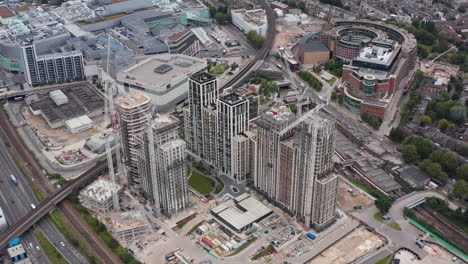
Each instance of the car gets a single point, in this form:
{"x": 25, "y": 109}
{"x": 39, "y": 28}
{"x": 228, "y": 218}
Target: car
{"x": 63, "y": 244}
{"x": 31, "y": 245}
{"x": 33, "y": 206}
{"x": 38, "y": 255}
{"x": 38, "y": 248}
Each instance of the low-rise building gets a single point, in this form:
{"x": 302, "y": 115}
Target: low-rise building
{"x": 79, "y": 124}
{"x": 128, "y": 226}
{"x": 414, "y": 176}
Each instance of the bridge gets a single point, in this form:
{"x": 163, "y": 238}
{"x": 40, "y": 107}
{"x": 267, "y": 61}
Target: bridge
{"x": 48, "y": 204}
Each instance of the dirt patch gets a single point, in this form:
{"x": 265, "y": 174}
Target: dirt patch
{"x": 349, "y": 197}
{"x": 354, "y": 245}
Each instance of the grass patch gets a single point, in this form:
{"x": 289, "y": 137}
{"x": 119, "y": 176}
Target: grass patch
{"x": 331, "y": 81}
{"x": 267, "y": 251}
{"x": 37, "y": 192}
{"x": 195, "y": 227}
{"x": 49, "y": 250}
{"x": 219, "y": 69}
{"x": 395, "y": 226}
{"x": 384, "y": 260}
{"x": 378, "y": 217}
{"x": 201, "y": 183}
{"x": 238, "y": 250}
{"x": 220, "y": 186}
{"x": 66, "y": 230}
{"x": 101, "y": 230}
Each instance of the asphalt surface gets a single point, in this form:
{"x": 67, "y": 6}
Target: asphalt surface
{"x": 16, "y": 201}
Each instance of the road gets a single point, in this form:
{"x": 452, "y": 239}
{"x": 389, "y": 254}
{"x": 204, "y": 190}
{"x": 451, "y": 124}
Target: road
{"x": 16, "y": 202}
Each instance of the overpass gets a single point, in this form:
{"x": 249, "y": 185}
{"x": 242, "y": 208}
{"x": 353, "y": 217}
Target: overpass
{"x": 48, "y": 204}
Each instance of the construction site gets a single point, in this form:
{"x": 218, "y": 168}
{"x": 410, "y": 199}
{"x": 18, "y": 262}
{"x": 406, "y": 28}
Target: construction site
{"x": 353, "y": 246}
{"x": 351, "y": 198}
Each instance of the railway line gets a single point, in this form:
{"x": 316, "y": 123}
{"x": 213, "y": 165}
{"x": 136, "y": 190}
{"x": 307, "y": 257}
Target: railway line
{"x": 442, "y": 224}
{"x": 263, "y": 52}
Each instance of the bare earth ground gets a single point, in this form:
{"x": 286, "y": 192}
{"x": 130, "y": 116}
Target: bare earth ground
{"x": 354, "y": 245}
{"x": 349, "y": 199}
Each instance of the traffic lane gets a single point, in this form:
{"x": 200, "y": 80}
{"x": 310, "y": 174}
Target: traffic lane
{"x": 26, "y": 198}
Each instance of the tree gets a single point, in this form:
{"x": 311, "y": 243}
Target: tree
{"x": 422, "y": 52}
{"x": 424, "y": 164}
{"x": 443, "y": 125}
{"x": 425, "y": 120}
{"x": 410, "y": 153}
{"x": 449, "y": 162}
{"x": 234, "y": 66}
{"x": 382, "y": 202}
{"x": 435, "y": 171}
{"x": 423, "y": 146}
{"x": 457, "y": 114}
{"x": 220, "y": 18}
{"x": 457, "y": 58}
{"x": 462, "y": 172}
{"x": 461, "y": 9}
{"x": 460, "y": 189}
{"x": 255, "y": 39}
{"x": 396, "y": 134}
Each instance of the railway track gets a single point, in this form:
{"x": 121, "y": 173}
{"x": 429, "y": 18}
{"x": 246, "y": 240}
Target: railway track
{"x": 103, "y": 253}
{"x": 449, "y": 229}
{"x": 263, "y": 53}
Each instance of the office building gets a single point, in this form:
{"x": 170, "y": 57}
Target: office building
{"x": 203, "y": 92}
{"x": 233, "y": 119}
{"x": 163, "y": 172}
{"x": 250, "y": 20}
{"x": 293, "y": 164}
{"x": 134, "y": 110}
{"x": 52, "y": 68}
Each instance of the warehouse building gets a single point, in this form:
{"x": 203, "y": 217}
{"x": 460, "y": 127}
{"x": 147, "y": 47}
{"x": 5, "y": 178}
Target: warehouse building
{"x": 247, "y": 211}
{"x": 163, "y": 78}
{"x": 310, "y": 50}
{"x": 79, "y": 124}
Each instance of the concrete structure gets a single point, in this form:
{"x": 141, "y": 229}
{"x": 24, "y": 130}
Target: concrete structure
{"x": 163, "y": 78}
{"x": 58, "y": 97}
{"x": 97, "y": 144}
{"x": 52, "y": 68}
{"x": 134, "y": 110}
{"x": 79, "y": 124}
{"x": 83, "y": 99}
{"x": 99, "y": 196}
{"x": 17, "y": 253}
{"x": 162, "y": 166}
{"x": 203, "y": 92}
{"x": 293, "y": 165}
{"x": 129, "y": 226}
{"x": 233, "y": 119}
{"x": 250, "y": 20}
{"x": 248, "y": 210}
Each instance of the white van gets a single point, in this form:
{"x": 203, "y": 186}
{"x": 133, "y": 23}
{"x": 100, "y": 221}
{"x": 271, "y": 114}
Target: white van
{"x": 33, "y": 206}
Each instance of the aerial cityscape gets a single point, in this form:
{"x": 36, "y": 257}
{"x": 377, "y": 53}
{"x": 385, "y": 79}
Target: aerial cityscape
{"x": 233, "y": 131}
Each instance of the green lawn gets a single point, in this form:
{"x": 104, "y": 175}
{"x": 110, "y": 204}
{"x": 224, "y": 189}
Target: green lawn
{"x": 395, "y": 226}
{"x": 52, "y": 253}
{"x": 201, "y": 183}
{"x": 331, "y": 81}
{"x": 378, "y": 217}
{"x": 359, "y": 185}
{"x": 219, "y": 186}
{"x": 384, "y": 260}
{"x": 219, "y": 69}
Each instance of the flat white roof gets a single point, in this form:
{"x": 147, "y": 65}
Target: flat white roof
{"x": 100, "y": 190}
{"x": 80, "y": 121}
{"x": 16, "y": 250}
{"x": 254, "y": 210}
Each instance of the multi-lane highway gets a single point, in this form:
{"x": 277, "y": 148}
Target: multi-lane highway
{"x": 16, "y": 201}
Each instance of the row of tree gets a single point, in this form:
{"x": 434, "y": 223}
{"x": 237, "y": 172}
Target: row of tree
{"x": 373, "y": 121}
{"x": 311, "y": 80}
{"x": 256, "y": 39}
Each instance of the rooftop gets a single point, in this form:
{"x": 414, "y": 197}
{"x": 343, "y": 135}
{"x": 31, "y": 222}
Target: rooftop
{"x": 5, "y": 12}
{"x": 248, "y": 210}
{"x": 127, "y": 220}
{"x": 375, "y": 54}
{"x": 277, "y": 117}
{"x": 232, "y": 99}
{"x": 255, "y": 17}
{"x": 165, "y": 121}
{"x": 16, "y": 250}
{"x": 160, "y": 70}
{"x": 131, "y": 100}
{"x": 414, "y": 176}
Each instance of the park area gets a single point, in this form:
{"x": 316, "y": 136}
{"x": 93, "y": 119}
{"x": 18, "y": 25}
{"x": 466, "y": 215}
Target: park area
{"x": 204, "y": 185}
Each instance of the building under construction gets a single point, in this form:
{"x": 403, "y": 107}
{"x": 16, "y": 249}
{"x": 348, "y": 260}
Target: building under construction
{"x": 293, "y": 164}
{"x": 134, "y": 110}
